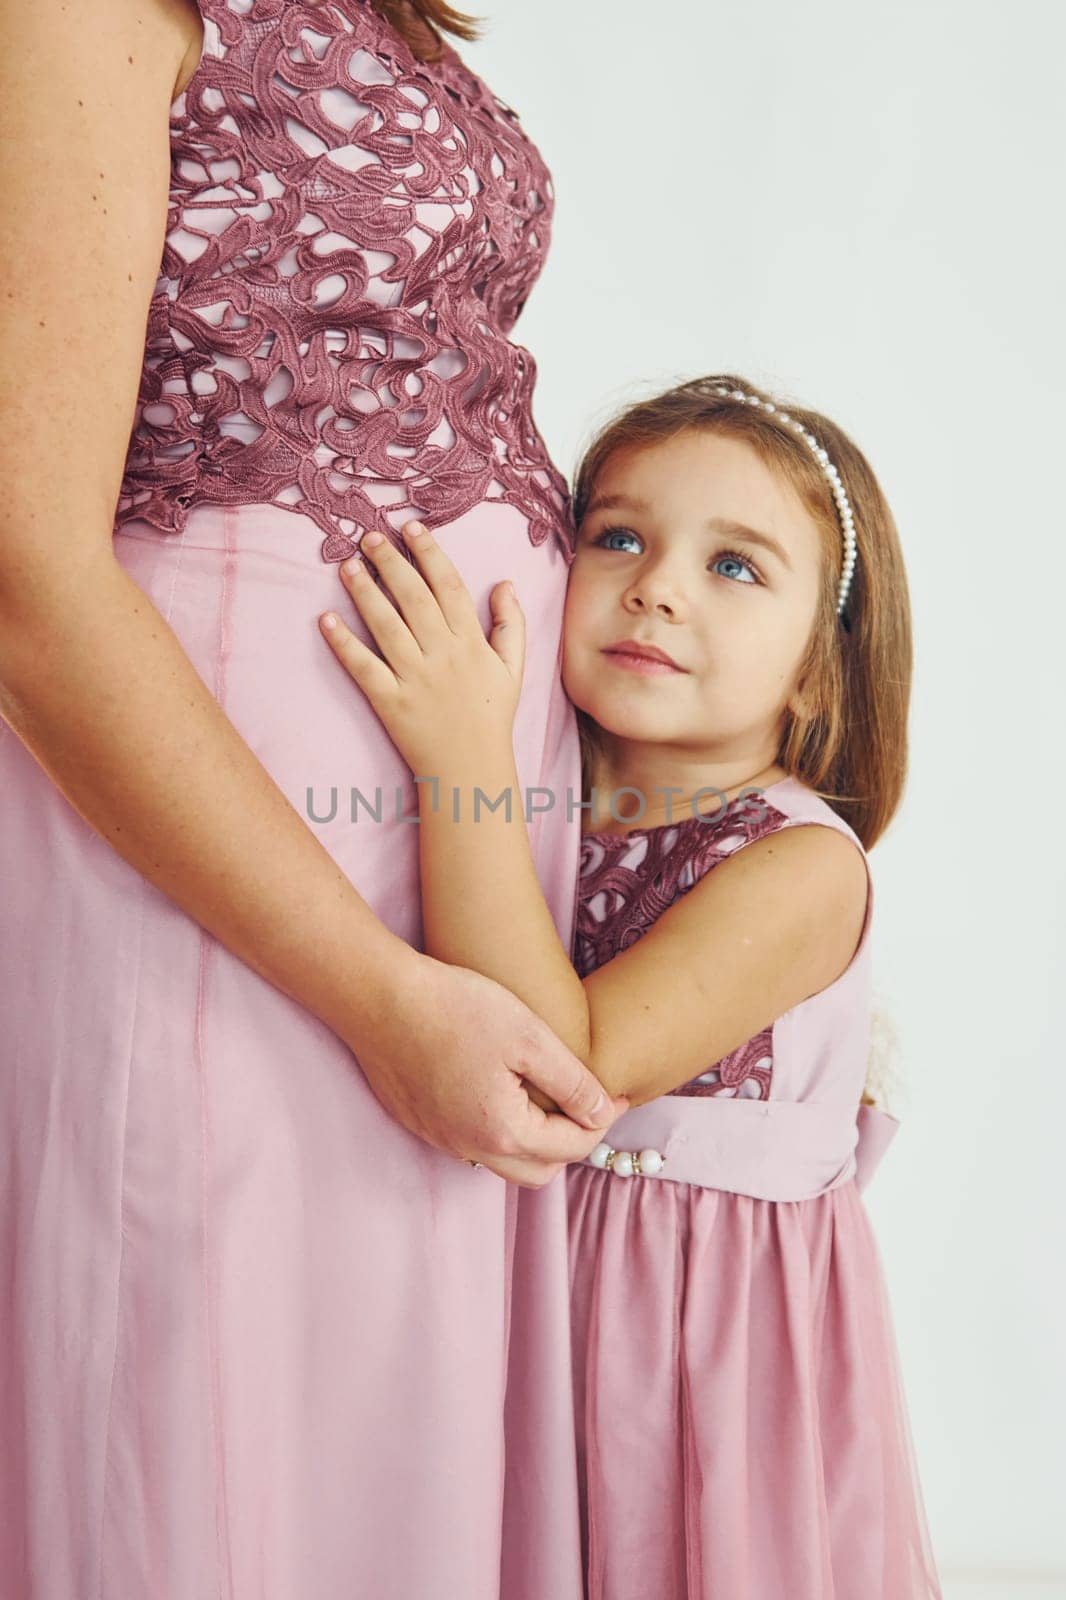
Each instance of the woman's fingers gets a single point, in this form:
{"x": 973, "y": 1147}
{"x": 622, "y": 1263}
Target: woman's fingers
{"x": 551, "y": 1142}
{"x": 578, "y": 1093}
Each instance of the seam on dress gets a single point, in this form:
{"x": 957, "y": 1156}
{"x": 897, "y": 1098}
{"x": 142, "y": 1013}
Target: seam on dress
{"x": 692, "y": 1482}
{"x": 815, "y": 1349}
{"x": 121, "y": 1234}
{"x": 122, "y": 1171}
{"x": 225, "y": 1568}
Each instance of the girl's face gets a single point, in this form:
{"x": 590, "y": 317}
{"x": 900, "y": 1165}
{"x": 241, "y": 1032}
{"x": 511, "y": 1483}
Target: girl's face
{"x": 693, "y": 544}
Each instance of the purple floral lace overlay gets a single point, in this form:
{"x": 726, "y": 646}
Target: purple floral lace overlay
{"x": 626, "y": 881}
{"x": 351, "y": 235}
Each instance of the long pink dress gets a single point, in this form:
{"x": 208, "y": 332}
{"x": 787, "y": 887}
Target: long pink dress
{"x": 257, "y": 1340}
{"x": 743, "y": 1430}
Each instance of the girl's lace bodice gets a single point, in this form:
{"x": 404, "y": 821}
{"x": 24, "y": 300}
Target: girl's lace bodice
{"x": 626, "y": 881}
{"x": 351, "y": 236}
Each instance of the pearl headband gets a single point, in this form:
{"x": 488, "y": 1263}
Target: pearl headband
{"x": 847, "y": 521}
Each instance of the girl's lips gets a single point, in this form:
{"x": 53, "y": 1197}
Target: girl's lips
{"x": 645, "y": 665}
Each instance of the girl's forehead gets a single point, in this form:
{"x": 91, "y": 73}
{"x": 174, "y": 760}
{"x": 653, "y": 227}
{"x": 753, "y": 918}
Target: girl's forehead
{"x": 704, "y": 476}
{"x": 705, "y": 468}
{"x": 703, "y": 452}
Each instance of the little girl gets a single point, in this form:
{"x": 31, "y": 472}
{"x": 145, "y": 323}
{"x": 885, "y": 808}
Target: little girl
{"x": 737, "y": 645}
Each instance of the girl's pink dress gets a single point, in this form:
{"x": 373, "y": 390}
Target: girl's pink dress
{"x": 743, "y": 1432}
{"x": 257, "y": 1342}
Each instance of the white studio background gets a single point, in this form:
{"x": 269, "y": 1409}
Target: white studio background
{"x": 862, "y": 206}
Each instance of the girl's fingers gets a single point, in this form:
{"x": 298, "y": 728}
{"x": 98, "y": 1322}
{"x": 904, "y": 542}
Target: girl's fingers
{"x": 452, "y": 596}
{"x": 415, "y": 599}
{"x": 374, "y": 676}
{"x": 508, "y": 637}
{"x": 401, "y": 649}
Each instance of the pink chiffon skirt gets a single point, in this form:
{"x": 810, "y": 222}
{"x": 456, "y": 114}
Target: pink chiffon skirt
{"x": 257, "y": 1341}
{"x": 742, "y": 1427}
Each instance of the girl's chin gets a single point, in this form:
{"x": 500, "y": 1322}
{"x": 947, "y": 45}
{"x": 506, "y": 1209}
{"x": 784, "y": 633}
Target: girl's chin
{"x": 633, "y": 730}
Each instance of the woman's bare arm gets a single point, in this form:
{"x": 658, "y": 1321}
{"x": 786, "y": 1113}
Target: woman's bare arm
{"x": 92, "y": 678}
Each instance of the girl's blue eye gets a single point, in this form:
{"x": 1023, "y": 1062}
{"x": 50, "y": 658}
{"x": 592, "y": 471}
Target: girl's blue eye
{"x": 609, "y": 533}
{"x": 741, "y": 561}
{"x": 727, "y": 555}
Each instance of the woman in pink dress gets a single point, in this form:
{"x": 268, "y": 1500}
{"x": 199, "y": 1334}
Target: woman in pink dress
{"x": 258, "y": 1324}
{"x": 737, "y": 626}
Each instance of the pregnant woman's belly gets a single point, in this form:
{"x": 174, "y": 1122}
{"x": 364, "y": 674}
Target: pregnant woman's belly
{"x": 243, "y": 588}
{"x": 261, "y": 1329}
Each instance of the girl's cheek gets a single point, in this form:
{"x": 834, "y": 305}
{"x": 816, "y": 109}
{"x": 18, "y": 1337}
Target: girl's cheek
{"x": 571, "y": 632}
{"x": 573, "y": 606}
{"x": 570, "y": 671}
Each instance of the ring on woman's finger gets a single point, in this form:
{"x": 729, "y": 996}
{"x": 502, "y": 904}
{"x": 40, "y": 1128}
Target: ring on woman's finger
{"x": 478, "y": 1166}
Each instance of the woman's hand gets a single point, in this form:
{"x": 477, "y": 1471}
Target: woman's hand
{"x": 446, "y": 1057}
{"x": 443, "y": 690}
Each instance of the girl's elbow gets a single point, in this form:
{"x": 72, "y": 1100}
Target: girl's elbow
{"x": 603, "y": 1071}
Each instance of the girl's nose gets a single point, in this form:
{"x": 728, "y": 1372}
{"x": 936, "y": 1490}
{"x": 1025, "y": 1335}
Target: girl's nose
{"x": 655, "y": 595}
{"x": 662, "y": 607}
{"x": 658, "y": 587}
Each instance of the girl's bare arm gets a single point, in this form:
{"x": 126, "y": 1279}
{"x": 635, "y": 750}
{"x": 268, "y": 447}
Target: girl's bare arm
{"x": 482, "y": 903}
{"x": 777, "y": 922}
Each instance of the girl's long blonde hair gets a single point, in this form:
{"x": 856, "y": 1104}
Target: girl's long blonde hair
{"x": 850, "y": 742}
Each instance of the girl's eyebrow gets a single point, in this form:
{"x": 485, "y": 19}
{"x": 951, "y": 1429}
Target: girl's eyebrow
{"x": 740, "y": 530}
{"x": 733, "y": 530}
{"x": 615, "y": 502}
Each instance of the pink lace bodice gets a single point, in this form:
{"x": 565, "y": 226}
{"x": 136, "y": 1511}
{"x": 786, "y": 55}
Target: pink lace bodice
{"x": 351, "y": 236}
{"x": 626, "y": 881}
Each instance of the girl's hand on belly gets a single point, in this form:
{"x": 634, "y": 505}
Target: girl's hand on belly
{"x": 445, "y": 693}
